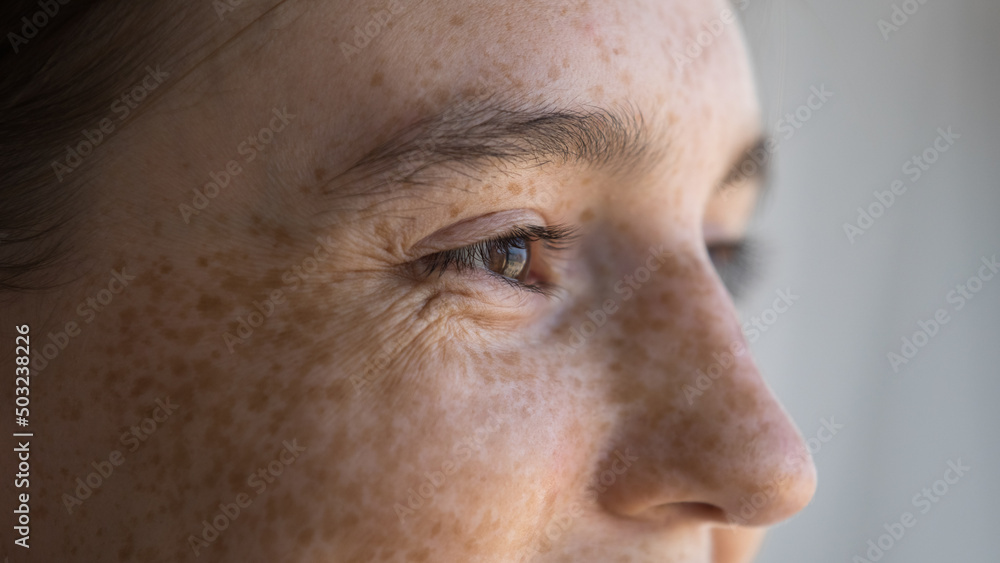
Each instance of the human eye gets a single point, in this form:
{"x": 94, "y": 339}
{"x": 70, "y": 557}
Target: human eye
{"x": 737, "y": 263}
{"x": 511, "y": 257}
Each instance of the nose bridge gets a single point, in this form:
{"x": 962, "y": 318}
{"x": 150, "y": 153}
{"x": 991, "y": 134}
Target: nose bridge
{"x": 695, "y": 411}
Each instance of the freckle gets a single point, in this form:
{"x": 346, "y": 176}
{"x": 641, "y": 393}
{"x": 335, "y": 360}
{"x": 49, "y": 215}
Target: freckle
{"x": 235, "y": 284}
{"x": 436, "y": 64}
{"x": 281, "y": 237}
{"x": 454, "y": 210}
{"x": 211, "y": 306}
{"x": 375, "y": 82}
{"x": 554, "y": 73}
{"x": 202, "y": 261}
{"x": 192, "y": 335}
{"x": 320, "y": 172}
{"x": 166, "y": 269}
{"x": 157, "y": 228}
{"x": 111, "y": 377}
{"x": 514, "y": 188}
{"x": 587, "y": 215}
{"x": 456, "y": 20}
{"x": 565, "y": 63}
{"x": 140, "y": 386}
{"x": 177, "y": 366}
{"x": 127, "y": 315}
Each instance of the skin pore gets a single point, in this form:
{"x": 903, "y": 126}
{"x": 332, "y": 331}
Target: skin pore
{"x": 443, "y": 417}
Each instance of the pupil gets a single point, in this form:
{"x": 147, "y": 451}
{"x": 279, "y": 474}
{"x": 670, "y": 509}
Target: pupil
{"x": 511, "y": 261}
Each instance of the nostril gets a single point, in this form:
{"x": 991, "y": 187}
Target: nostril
{"x": 684, "y": 512}
{"x": 703, "y": 511}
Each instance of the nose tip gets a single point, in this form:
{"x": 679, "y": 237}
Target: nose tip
{"x": 778, "y": 488}
{"x": 733, "y": 454}
{"x": 752, "y": 478}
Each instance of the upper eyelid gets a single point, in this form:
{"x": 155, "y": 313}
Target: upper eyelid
{"x": 472, "y": 231}
{"x": 554, "y": 237}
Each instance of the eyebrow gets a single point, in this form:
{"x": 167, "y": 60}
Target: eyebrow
{"x": 474, "y": 135}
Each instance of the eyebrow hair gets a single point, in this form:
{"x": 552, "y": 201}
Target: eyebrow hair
{"x": 477, "y": 134}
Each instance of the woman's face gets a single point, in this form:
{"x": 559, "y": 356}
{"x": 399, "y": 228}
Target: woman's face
{"x": 334, "y": 385}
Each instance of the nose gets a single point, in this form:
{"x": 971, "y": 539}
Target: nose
{"x": 706, "y": 437}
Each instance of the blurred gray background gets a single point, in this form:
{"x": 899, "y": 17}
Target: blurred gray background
{"x": 827, "y": 357}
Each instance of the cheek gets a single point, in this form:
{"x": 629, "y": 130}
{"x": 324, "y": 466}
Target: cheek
{"x": 441, "y": 452}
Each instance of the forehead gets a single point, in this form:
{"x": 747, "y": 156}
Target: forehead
{"x": 363, "y": 71}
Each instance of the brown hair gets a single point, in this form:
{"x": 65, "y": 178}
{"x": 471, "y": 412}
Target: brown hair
{"x": 63, "y": 66}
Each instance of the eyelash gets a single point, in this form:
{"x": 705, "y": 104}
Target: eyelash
{"x": 556, "y": 238}
{"x": 737, "y": 262}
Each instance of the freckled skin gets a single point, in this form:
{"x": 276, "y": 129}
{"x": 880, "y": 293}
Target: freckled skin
{"x": 456, "y": 387}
